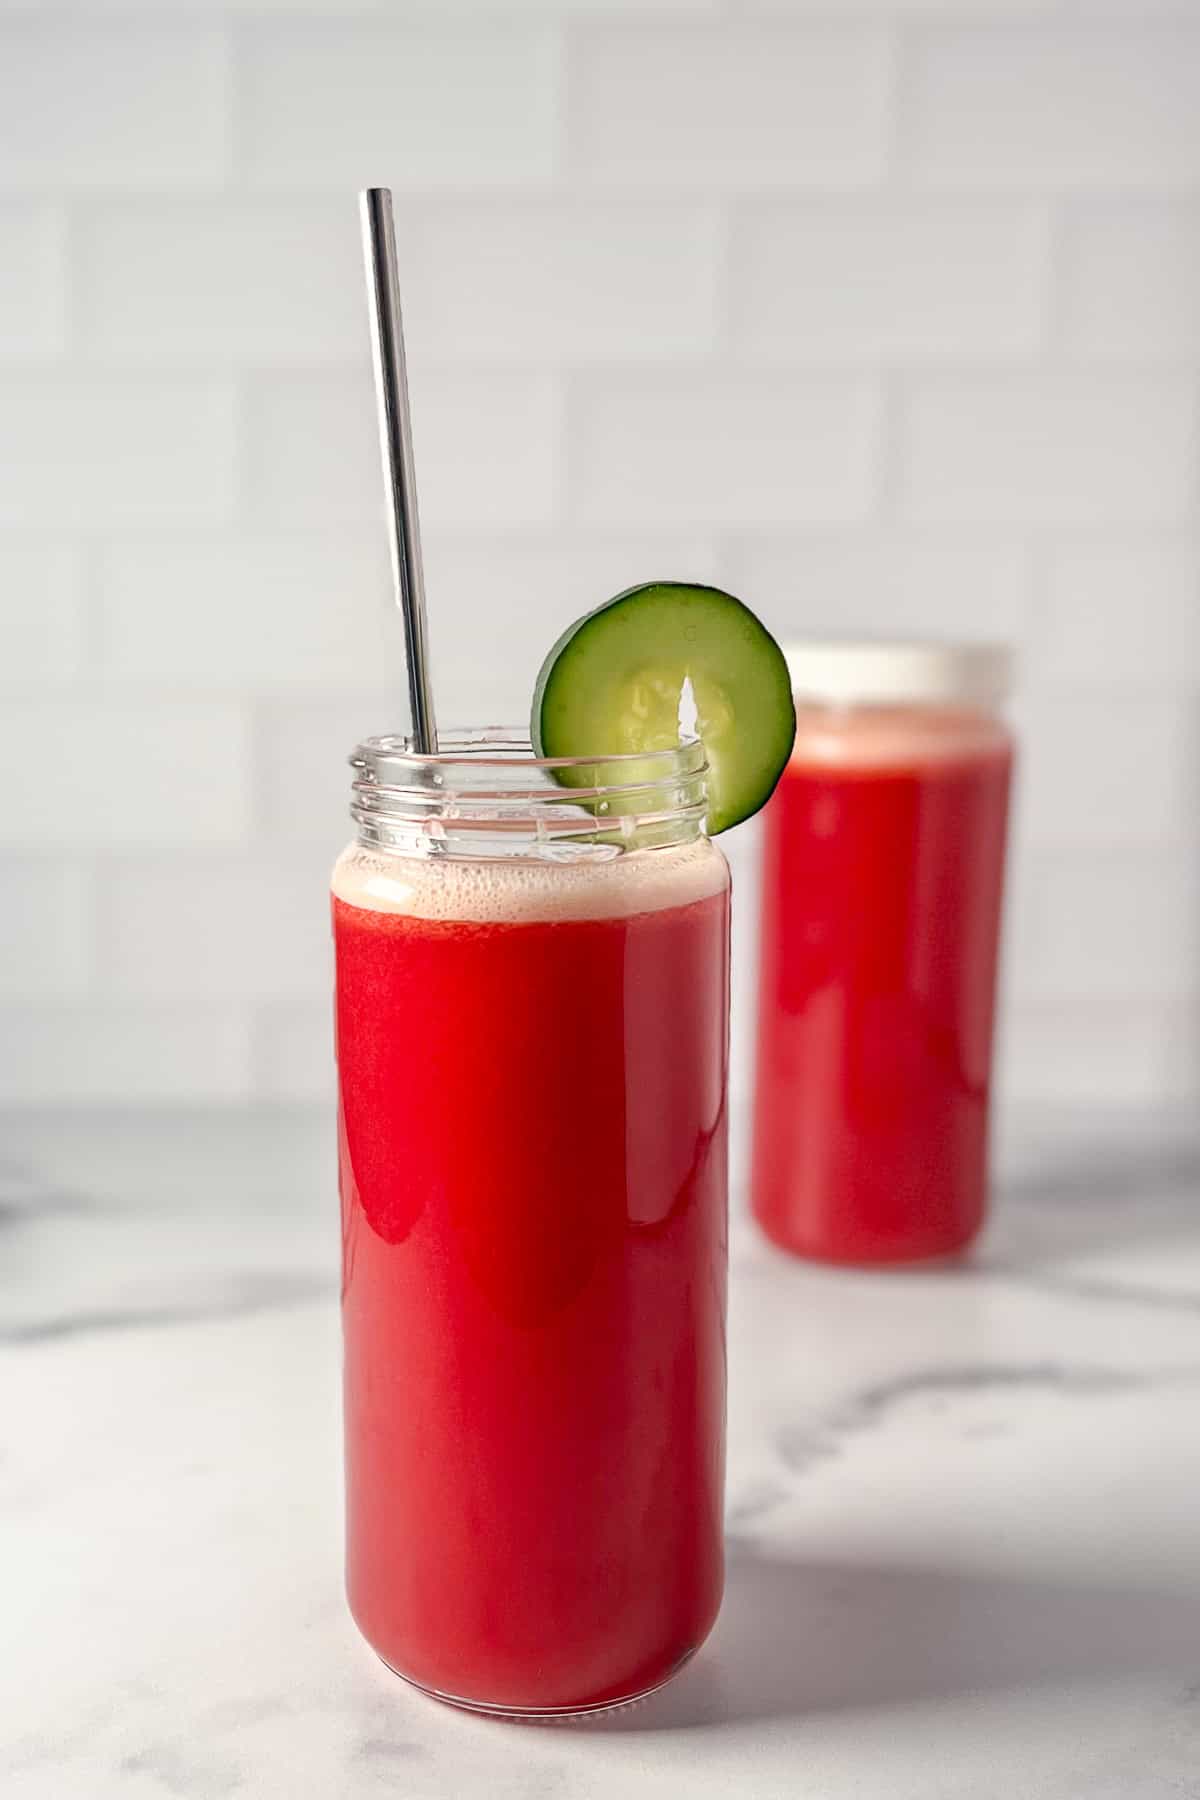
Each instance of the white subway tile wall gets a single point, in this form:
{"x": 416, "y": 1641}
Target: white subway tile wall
{"x": 467, "y": 104}
{"x": 81, "y": 451}
{"x": 886, "y": 313}
{"x": 34, "y": 291}
{"x": 95, "y": 104}
{"x": 722, "y": 449}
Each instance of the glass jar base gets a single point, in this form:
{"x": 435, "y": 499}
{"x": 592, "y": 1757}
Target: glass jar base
{"x": 534, "y": 1715}
{"x": 948, "y": 1256}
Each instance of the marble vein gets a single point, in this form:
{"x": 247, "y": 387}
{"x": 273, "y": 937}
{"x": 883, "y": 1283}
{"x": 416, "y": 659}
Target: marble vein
{"x": 803, "y": 1447}
{"x": 245, "y": 1299}
{"x": 963, "y": 1546}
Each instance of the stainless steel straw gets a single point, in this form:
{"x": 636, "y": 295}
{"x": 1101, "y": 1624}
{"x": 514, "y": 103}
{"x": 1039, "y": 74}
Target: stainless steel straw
{"x": 395, "y": 437}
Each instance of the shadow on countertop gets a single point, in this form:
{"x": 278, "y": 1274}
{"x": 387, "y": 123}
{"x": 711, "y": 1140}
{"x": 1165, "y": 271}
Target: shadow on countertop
{"x": 1072, "y": 1211}
{"x": 797, "y": 1638}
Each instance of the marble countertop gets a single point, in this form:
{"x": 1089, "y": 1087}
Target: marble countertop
{"x": 964, "y": 1504}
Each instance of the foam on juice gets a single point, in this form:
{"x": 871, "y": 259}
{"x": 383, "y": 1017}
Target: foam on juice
{"x": 868, "y": 737}
{"x": 522, "y": 890}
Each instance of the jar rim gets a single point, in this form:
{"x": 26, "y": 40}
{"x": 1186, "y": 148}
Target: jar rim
{"x": 508, "y": 747}
{"x": 486, "y": 793}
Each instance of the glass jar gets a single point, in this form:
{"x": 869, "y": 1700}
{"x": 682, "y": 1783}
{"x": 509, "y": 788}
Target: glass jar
{"x": 532, "y": 1003}
{"x": 882, "y": 884}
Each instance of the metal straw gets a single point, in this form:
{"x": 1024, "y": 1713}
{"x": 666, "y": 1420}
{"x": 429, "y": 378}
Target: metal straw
{"x": 395, "y": 438}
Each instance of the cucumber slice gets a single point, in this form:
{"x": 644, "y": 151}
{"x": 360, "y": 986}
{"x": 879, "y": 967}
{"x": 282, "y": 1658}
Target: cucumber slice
{"x": 613, "y": 684}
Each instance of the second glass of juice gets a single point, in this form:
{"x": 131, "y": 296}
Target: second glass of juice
{"x": 882, "y": 882}
{"x": 531, "y": 1012}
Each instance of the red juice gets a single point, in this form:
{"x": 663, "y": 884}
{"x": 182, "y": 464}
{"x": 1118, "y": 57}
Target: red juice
{"x": 532, "y": 1077}
{"x": 882, "y": 880}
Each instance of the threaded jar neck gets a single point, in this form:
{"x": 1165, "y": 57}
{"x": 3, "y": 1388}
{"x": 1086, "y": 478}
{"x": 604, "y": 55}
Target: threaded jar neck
{"x": 486, "y": 795}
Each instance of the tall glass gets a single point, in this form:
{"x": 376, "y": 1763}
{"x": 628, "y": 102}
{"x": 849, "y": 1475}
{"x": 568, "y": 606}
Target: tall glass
{"x": 882, "y": 884}
{"x": 532, "y": 1001}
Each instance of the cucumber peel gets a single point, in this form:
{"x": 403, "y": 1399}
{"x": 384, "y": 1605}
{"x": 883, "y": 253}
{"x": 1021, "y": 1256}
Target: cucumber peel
{"x": 613, "y": 685}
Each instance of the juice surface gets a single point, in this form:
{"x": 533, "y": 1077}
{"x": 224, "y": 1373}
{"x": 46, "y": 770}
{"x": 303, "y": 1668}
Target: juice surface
{"x": 882, "y": 880}
{"x": 533, "y": 1150}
